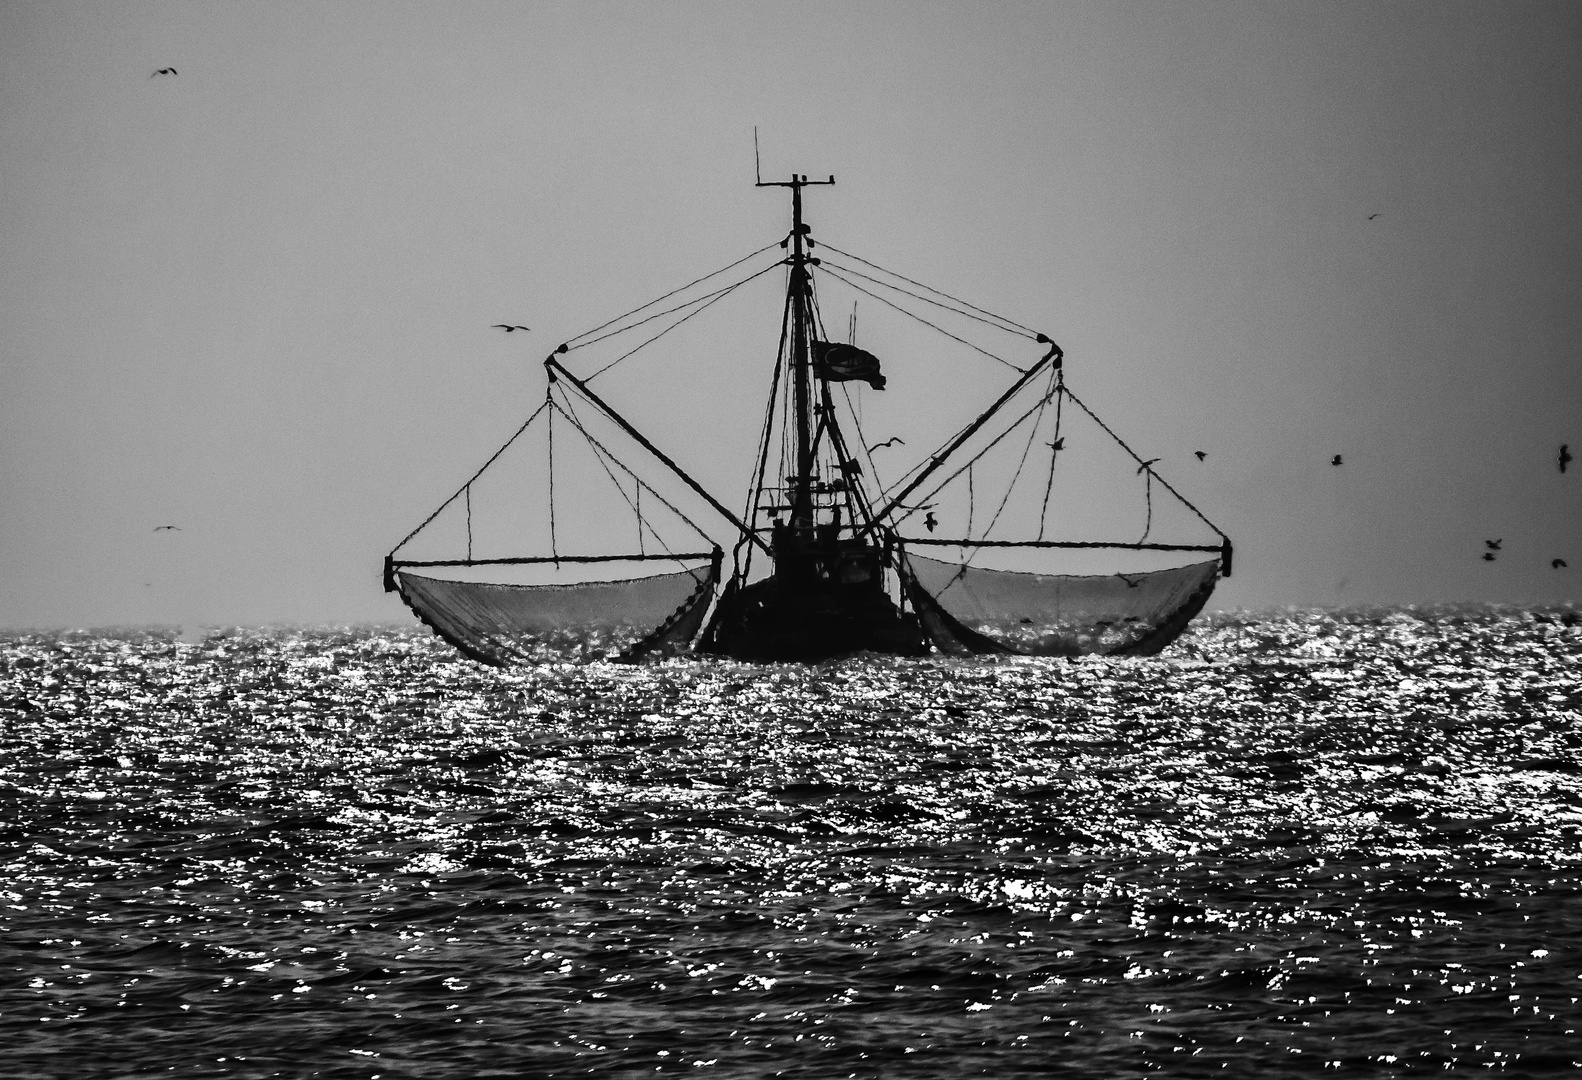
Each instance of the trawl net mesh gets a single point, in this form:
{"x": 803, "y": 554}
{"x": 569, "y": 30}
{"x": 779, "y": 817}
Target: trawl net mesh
{"x": 502, "y": 624}
{"x": 971, "y": 610}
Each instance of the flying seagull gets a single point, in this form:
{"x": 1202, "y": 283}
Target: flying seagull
{"x": 930, "y": 521}
{"x": 1557, "y": 563}
{"x": 507, "y": 329}
{"x": 162, "y": 528}
{"x": 1565, "y": 456}
{"x": 1145, "y": 465}
{"x": 1335, "y": 460}
{"x": 1494, "y": 545}
{"x": 1200, "y": 454}
{"x": 1372, "y": 216}
{"x": 891, "y": 441}
{"x": 164, "y": 71}
{"x": 1131, "y": 583}
{"x": 1488, "y": 556}
{"x": 1058, "y": 445}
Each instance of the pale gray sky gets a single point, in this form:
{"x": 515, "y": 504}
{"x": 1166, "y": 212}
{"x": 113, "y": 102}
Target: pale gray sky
{"x": 253, "y": 300}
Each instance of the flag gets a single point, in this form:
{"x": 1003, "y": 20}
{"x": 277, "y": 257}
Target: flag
{"x": 846, "y": 363}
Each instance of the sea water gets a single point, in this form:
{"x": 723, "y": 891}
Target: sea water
{"x": 1327, "y": 844}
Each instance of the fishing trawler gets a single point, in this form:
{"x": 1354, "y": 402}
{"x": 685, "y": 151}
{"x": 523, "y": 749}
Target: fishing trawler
{"x": 826, "y": 559}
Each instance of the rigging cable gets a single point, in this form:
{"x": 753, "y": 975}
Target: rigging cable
{"x": 856, "y": 496}
{"x": 970, "y": 499}
{"x": 754, "y": 493}
{"x": 1054, "y": 449}
{"x": 1010, "y": 325}
{"x": 1148, "y": 498}
{"x": 992, "y": 443}
{"x": 862, "y": 440}
{"x": 597, "y": 456}
{"x": 924, "y": 463}
{"x": 569, "y": 412}
{"x": 665, "y": 297}
{"x": 659, "y": 315}
{"x": 930, "y": 300}
{"x": 1032, "y": 433}
{"x": 837, "y": 275}
{"x": 714, "y": 298}
{"x": 553, "y": 551}
{"x": 820, "y": 333}
{"x": 1122, "y": 444}
{"x": 469, "y": 523}
{"x": 441, "y": 509}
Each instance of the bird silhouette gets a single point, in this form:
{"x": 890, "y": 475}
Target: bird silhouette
{"x": 1200, "y": 454}
{"x": 1488, "y": 556}
{"x": 1565, "y": 456}
{"x": 164, "y": 71}
{"x": 1058, "y": 445}
{"x": 506, "y": 328}
{"x": 1494, "y": 545}
{"x": 1335, "y": 460}
{"x": 891, "y": 441}
{"x": 162, "y": 528}
{"x": 1557, "y": 563}
{"x": 1131, "y": 583}
{"x": 1372, "y": 216}
{"x": 1145, "y": 465}
{"x": 930, "y": 521}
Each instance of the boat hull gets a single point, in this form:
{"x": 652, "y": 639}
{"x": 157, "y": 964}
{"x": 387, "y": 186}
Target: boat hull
{"x": 778, "y": 619}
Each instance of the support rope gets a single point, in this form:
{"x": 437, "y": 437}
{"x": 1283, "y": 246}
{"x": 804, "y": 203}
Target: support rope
{"x": 856, "y": 495}
{"x": 1009, "y": 324}
{"x": 930, "y": 300}
{"x": 1148, "y": 499}
{"x": 838, "y": 276}
{"x": 751, "y": 515}
{"x": 970, "y": 498}
{"x": 598, "y": 456}
{"x": 660, "y": 315}
{"x": 862, "y": 439}
{"x": 552, "y": 549}
{"x": 937, "y": 488}
{"x": 713, "y": 298}
{"x": 922, "y": 464}
{"x": 569, "y": 412}
{"x": 424, "y": 523}
{"x": 1122, "y": 444}
{"x": 1032, "y": 433}
{"x": 1054, "y": 450}
{"x": 661, "y": 299}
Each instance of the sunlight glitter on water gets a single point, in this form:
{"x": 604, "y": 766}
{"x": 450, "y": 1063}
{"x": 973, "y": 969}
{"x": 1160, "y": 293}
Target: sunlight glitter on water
{"x": 1288, "y": 842}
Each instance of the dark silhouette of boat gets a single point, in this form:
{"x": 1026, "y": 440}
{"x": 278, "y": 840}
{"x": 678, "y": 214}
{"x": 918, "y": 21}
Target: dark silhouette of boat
{"x": 822, "y": 563}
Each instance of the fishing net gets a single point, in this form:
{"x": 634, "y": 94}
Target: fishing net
{"x": 967, "y": 609}
{"x": 623, "y": 620}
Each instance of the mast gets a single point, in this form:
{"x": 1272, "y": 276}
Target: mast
{"x": 801, "y": 501}
{"x": 801, "y": 349}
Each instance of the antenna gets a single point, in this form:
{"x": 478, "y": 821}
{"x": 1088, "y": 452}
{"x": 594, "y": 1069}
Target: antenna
{"x": 758, "y": 175}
